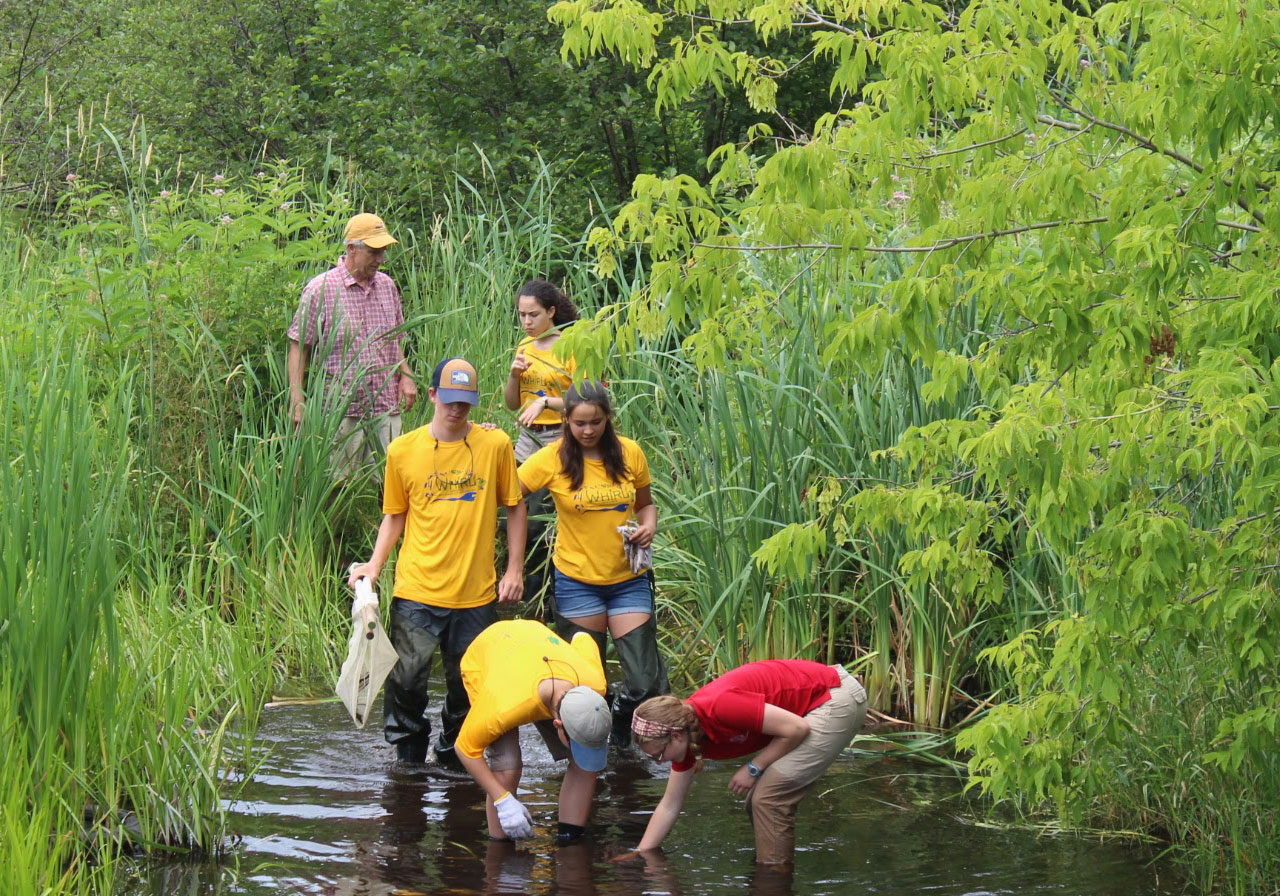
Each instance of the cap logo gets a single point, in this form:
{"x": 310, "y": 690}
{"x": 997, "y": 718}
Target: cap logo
{"x": 460, "y": 378}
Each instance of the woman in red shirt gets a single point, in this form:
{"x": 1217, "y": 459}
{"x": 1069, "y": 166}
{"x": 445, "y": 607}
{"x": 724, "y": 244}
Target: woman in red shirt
{"x": 795, "y": 716}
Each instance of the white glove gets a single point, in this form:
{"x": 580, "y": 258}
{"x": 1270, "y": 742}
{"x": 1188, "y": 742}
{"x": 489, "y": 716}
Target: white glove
{"x": 366, "y": 598}
{"x": 515, "y": 819}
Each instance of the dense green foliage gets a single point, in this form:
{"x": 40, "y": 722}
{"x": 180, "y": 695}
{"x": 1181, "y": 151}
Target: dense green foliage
{"x": 1073, "y": 215}
{"x": 408, "y": 94}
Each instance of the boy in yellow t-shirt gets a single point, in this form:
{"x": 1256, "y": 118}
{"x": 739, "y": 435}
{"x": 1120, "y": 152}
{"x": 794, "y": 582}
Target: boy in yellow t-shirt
{"x": 443, "y": 486}
{"x": 519, "y": 672}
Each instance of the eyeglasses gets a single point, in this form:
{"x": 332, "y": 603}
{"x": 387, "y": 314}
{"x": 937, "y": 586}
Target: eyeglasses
{"x": 661, "y": 751}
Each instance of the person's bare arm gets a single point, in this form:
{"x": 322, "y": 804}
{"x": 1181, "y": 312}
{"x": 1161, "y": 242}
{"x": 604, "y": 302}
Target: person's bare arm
{"x": 406, "y": 387}
{"x": 668, "y": 810}
{"x": 787, "y": 730}
{"x": 511, "y": 390}
{"x": 296, "y": 363}
{"x": 389, "y": 533}
{"x": 511, "y": 587}
{"x": 646, "y": 517}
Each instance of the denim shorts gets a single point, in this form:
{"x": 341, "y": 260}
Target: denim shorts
{"x": 576, "y": 599}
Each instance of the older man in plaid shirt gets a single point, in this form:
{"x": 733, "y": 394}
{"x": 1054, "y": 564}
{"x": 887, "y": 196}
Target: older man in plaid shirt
{"x": 352, "y": 314}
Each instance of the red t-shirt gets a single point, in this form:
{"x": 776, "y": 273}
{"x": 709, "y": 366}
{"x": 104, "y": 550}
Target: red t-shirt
{"x": 731, "y": 708}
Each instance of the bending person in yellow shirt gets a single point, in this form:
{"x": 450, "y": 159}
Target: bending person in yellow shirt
{"x": 599, "y": 480}
{"x": 518, "y": 672}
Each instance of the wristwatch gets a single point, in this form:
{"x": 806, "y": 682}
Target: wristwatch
{"x": 753, "y": 770}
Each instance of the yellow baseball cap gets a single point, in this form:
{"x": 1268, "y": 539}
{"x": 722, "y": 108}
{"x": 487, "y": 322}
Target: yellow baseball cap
{"x": 370, "y": 230}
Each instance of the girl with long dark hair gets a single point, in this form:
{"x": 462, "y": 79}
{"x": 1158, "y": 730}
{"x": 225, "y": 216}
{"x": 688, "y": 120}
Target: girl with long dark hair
{"x": 600, "y": 482}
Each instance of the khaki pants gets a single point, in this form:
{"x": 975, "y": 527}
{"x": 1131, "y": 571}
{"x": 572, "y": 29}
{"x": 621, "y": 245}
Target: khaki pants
{"x": 772, "y": 802}
{"x": 363, "y": 442}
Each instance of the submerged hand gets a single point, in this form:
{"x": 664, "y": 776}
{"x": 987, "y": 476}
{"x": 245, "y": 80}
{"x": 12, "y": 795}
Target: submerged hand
{"x": 515, "y": 819}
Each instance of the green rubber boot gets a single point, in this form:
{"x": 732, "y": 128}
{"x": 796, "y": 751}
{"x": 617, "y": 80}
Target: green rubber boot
{"x": 643, "y": 676}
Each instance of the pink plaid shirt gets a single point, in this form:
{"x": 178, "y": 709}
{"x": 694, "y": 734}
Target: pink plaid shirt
{"x": 351, "y": 325}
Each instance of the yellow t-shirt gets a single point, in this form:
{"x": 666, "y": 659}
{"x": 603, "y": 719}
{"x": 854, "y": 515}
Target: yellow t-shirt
{"x": 501, "y": 671}
{"x": 588, "y": 546}
{"x": 547, "y": 375}
{"x": 450, "y": 492}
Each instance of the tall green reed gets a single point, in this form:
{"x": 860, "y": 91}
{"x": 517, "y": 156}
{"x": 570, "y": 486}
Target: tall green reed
{"x": 60, "y": 496}
{"x": 459, "y": 272}
{"x": 773, "y": 442}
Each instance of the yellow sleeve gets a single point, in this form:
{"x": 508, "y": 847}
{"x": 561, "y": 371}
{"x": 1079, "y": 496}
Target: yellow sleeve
{"x": 538, "y": 471}
{"x": 638, "y": 466}
{"x": 509, "y": 493}
{"x": 394, "y": 498}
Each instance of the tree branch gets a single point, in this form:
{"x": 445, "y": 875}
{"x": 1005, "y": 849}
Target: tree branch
{"x": 934, "y": 247}
{"x": 1150, "y": 145}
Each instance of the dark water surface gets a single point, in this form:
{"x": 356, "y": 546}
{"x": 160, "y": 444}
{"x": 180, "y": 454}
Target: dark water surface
{"x": 329, "y": 813}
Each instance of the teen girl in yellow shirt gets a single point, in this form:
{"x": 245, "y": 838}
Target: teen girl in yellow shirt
{"x": 599, "y": 481}
{"x": 535, "y": 390}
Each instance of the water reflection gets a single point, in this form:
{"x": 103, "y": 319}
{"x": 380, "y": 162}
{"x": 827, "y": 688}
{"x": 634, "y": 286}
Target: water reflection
{"x": 328, "y": 813}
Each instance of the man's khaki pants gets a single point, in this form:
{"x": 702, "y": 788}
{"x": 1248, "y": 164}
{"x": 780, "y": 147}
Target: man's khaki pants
{"x": 363, "y": 442}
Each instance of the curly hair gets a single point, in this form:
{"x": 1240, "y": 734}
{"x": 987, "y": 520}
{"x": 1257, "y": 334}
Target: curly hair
{"x": 552, "y": 298}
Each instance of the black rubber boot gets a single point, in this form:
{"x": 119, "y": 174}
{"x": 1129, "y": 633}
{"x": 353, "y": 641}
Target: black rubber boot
{"x": 643, "y": 676}
{"x": 404, "y": 704}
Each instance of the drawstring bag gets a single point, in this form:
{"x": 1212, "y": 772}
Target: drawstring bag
{"x": 370, "y": 656}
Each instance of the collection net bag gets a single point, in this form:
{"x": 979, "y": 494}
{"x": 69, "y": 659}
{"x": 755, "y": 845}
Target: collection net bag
{"x": 370, "y": 656}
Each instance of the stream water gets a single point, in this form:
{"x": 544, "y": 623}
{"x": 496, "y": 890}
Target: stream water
{"x": 328, "y": 812}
